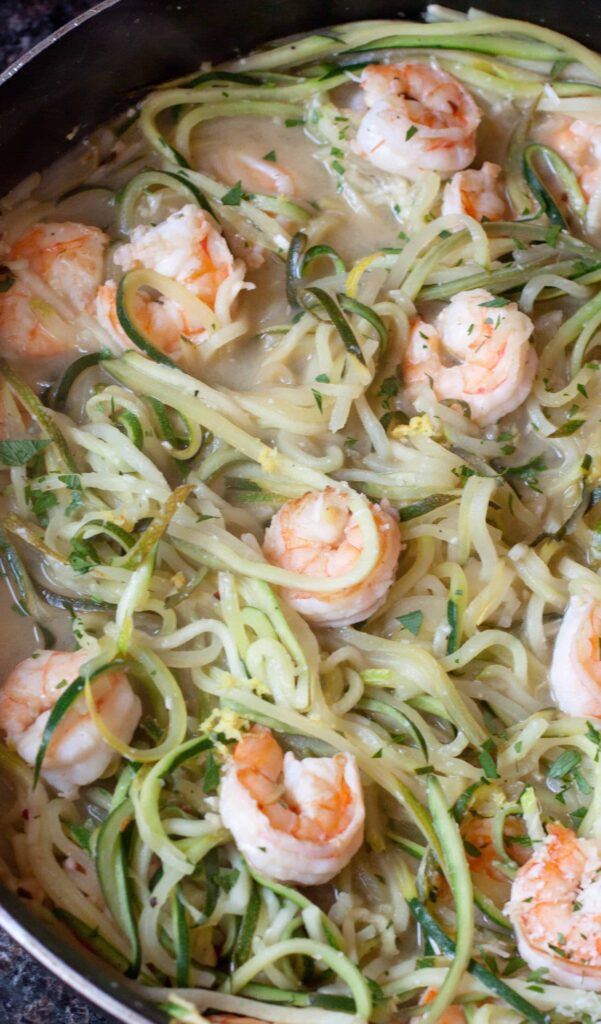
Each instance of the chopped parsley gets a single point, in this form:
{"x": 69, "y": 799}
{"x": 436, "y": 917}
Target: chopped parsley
{"x": 20, "y": 452}
{"x": 235, "y": 195}
{"x": 564, "y": 765}
{"x": 41, "y": 503}
{"x": 568, "y": 428}
{"x": 494, "y": 303}
{"x": 486, "y": 757}
{"x": 73, "y": 482}
{"x": 83, "y": 556}
{"x": 389, "y": 388}
{"x": 412, "y": 621}
{"x": 226, "y": 878}
{"x": 594, "y": 735}
{"x": 464, "y": 473}
{"x": 212, "y": 774}
{"x": 528, "y": 472}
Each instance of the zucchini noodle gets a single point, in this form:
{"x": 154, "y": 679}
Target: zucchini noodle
{"x": 400, "y": 336}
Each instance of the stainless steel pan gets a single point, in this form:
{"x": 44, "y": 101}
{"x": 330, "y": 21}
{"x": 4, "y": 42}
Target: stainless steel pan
{"x": 82, "y": 75}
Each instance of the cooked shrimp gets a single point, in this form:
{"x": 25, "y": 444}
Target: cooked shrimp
{"x": 555, "y": 909}
{"x": 296, "y": 821}
{"x": 495, "y": 363}
{"x": 419, "y": 119}
{"x": 477, "y": 193}
{"x": 452, "y": 1014}
{"x": 575, "y": 676}
{"x": 318, "y": 535}
{"x": 256, "y": 174}
{"x": 189, "y": 248}
{"x": 68, "y": 257}
{"x": 161, "y": 320}
{"x": 76, "y": 754}
{"x": 579, "y": 143}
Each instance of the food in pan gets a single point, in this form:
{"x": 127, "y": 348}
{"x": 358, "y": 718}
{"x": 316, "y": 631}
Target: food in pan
{"x": 301, "y": 530}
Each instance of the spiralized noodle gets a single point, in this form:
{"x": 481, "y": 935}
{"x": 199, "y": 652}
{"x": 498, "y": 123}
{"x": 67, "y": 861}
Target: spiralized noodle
{"x": 141, "y": 483}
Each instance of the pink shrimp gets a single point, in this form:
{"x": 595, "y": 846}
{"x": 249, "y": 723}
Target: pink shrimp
{"x": 477, "y": 193}
{"x": 575, "y": 676}
{"x": 579, "y": 143}
{"x": 77, "y": 754}
{"x": 70, "y": 259}
{"x": 496, "y": 364}
{"x": 296, "y": 821}
{"x": 186, "y": 247}
{"x": 419, "y": 118}
{"x": 555, "y": 908}
{"x": 318, "y": 535}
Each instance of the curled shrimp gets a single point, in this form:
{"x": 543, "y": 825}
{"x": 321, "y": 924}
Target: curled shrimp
{"x": 555, "y": 909}
{"x": 319, "y": 535}
{"x": 419, "y": 118}
{"x": 575, "y": 675}
{"x": 477, "y": 193}
{"x": 495, "y": 364}
{"x": 295, "y": 821}
{"x": 579, "y": 143}
{"x": 77, "y": 753}
{"x": 69, "y": 258}
{"x": 187, "y": 247}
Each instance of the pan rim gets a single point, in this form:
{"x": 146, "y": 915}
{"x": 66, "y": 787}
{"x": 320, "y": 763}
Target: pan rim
{"x": 64, "y": 30}
{"x": 66, "y": 972}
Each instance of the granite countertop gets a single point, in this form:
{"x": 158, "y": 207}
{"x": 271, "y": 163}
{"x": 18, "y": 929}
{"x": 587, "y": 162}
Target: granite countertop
{"x": 28, "y": 993}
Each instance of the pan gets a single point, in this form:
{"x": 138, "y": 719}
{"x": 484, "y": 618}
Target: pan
{"x": 90, "y": 70}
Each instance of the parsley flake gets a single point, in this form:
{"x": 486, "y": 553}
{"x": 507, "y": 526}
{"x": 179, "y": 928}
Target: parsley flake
{"x": 412, "y": 621}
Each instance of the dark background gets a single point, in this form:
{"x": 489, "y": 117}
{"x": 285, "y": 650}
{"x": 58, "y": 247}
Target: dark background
{"x": 28, "y": 993}
{"x": 25, "y": 22}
